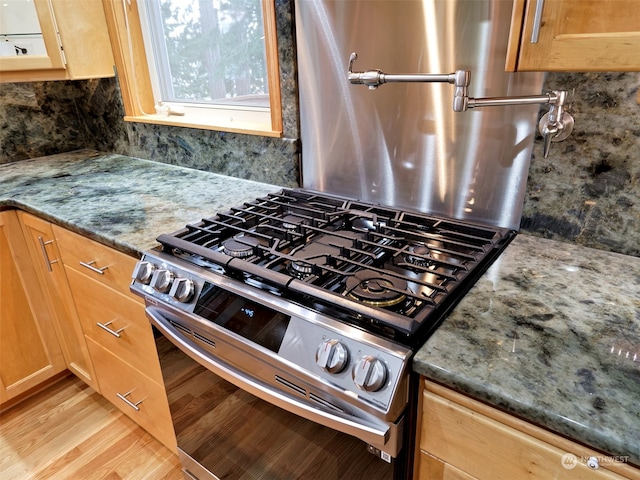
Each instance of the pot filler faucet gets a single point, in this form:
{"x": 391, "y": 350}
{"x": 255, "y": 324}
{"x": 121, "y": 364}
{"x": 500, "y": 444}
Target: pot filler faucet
{"x": 554, "y": 126}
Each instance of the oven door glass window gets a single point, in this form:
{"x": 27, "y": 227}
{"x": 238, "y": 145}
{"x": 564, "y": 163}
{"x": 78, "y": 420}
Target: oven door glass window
{"x": 235, "y": 435}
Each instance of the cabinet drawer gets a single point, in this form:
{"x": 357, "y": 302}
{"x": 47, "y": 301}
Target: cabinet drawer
{"x": 102, "y": 263}
{"x": 137, "y": 396}
{"x": 431, "y": 468}
{"x": 125, "y": 330}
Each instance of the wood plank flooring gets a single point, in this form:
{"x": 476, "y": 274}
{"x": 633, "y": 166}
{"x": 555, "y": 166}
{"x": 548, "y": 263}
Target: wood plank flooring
{"x": 68, "y": 431}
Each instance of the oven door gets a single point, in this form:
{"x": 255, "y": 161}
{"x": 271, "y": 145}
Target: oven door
{"x": 228, "y": 427}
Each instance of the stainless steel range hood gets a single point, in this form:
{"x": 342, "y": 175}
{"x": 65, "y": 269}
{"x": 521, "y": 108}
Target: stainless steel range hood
{"x": 403, "y": 145}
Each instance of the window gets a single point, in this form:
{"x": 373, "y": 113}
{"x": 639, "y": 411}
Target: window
{"x": 198, "y": 63}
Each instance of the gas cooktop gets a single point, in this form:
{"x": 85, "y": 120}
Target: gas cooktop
{"x": 386, "y": 270}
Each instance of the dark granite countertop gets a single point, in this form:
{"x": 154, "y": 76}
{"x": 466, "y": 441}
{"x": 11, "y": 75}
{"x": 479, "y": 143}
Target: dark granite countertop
{"x": 120, "y": 201}
{"x": 550, "y": 332}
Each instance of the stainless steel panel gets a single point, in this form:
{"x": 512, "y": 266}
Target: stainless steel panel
{"x": 402, "y": 144}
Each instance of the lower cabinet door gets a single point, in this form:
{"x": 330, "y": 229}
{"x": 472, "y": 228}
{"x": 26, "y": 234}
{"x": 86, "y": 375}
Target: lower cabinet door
{"x": 29, "y": 349}
{"x": 136, "y": 395}
{"x": 46, "y": 259}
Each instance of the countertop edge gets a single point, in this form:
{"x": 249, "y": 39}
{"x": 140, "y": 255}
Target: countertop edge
{"x": 544, "y": 419}
{"x": 11, "y": 204}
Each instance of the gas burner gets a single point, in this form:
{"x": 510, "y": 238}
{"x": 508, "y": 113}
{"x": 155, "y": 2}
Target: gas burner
{"x": 319, "y": 251}
{"x": 291, "y": 222}
{"x": 240, "y": 246}
{"x": 416, "y": 255}
{"x": 362, "y": 224}
{"x": 301, "y": 269}
{"x": 306, "y": 259}
{"x": 376, "y": 289}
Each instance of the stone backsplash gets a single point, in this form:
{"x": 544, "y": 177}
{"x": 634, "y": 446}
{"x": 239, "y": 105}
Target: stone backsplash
{"x": 587, "y": 191}
{"x": 45, "y": 118}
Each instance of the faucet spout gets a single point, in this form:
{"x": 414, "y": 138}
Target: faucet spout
{"x": 555, "y": 126}
{"x": 374, "y": 78}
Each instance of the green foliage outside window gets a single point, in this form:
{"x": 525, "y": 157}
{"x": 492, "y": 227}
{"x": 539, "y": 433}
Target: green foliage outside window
{"x": 215, "y": 50}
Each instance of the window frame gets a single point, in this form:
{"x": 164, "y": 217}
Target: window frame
{"x": 135, "y": 83}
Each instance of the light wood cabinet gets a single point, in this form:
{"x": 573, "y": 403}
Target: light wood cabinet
{"x": 29, "y": 349}
{"x": 77, "y": 44}
{"x": 97, "y": 261}
{"x": 116, "y": 322}
{"x": 462, "y": 439}
{"x": 136, "y": 395}
{"x": 118, "y": 334}
{"x": 101, "y": 326}
{"x": 575, "y": 35}
{"x": 49, "y": 268}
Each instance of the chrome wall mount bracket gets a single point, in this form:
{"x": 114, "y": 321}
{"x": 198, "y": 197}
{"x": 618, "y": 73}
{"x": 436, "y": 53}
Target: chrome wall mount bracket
{"x": 556, "y": 125}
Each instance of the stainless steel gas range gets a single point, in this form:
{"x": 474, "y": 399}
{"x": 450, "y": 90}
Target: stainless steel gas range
{"x": 287, "y": 327}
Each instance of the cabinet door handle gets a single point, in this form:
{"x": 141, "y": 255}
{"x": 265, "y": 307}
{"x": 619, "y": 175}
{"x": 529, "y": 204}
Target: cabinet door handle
{"x": 105, "y": 326}
{"x": 90, "y": 266}
{"x": 124, "y": 398}
{"x": 43, "y": 246}
{"x": 537, "y": 21}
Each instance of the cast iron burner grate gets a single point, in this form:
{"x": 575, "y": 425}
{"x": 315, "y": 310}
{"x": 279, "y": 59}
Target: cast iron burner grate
{"x": 384, "y": 269}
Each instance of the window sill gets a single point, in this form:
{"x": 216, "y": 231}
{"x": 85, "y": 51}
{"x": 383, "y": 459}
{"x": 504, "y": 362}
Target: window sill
{"x": 237, "y": 126}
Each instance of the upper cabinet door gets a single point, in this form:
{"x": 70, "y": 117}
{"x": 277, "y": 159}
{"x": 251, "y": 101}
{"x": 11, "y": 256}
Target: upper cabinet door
{"x": 29, "y": 36}
{"x": 54, "y": 40}
{"x": 575, "y": 35}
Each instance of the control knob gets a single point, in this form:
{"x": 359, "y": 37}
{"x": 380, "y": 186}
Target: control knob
{"x": 332, "y": 356}
{"x": 143, "y": 272}
{"x": 369, "y": 374}
{"x": 161, "y": 280}
{"x": 182, "y": 289}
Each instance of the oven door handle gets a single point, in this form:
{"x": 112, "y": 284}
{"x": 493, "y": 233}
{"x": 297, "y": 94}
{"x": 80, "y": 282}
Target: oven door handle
{"x": 376, "y": 433}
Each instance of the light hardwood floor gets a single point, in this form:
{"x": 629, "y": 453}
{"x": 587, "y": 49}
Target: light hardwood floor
{"x": 68, "y": 431}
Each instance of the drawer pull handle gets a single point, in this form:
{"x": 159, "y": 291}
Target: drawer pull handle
{"x": 129, "y": 402}
{"x": 105, "y": 326}
{"x": 43, "y": 245}
{"x": 90, "y": 266}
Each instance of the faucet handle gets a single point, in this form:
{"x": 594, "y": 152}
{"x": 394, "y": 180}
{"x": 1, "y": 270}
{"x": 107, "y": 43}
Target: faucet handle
{"x": 556, "y": 125}
{"x": 554, "y": 130}
{"x": 352, "y": 58}
{"x": 548, "y": 132}
{"x": 370, "y": 78}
